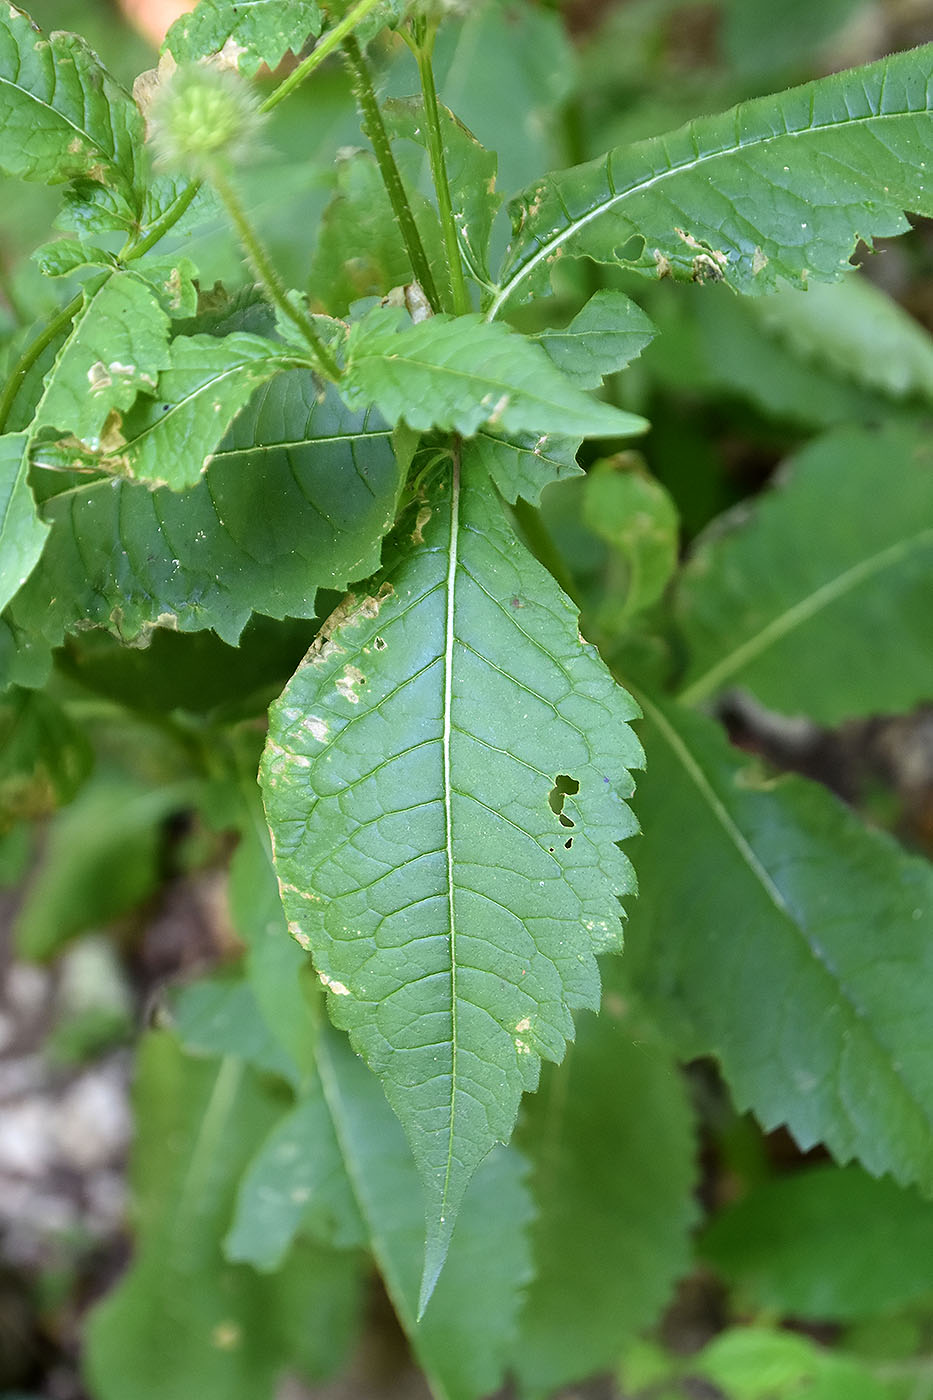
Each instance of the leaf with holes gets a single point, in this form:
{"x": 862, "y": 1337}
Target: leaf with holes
{"x": 249, "y": 32}
{"x": 444, "y": 781}
{"x": 779, "y": 187}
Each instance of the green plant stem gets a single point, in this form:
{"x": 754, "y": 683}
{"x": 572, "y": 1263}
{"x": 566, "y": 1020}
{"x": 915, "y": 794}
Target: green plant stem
{"x": 374, "y": 128}
{"x": 322, "y": 49}
{"x": 161, "y": 226}
{"x": 266, "y": 274}
{"x": 32, "y": 352}
{"x": 423, "y": 49}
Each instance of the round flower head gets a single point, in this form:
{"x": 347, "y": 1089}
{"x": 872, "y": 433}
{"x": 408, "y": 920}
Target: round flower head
{"x": 203, "y": 117}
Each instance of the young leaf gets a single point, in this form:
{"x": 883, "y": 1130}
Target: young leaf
{"x": 753, "y": 1363}
{"x": 44, "y": 757}
{"x": 249, "y": 32}
{"x": 525, "y": 463}
{"x": 63, "y": 117}
{"x": 459, "y": 373}
{"x": 831, "y": 1244}
{"x": 444, "y": 780}
{"x": 493, "y": 1224}
{"x": 117, "y": 347}
{"x": 601, "y": 339}
{"x": 789, "y": 941}
{"x": 471, "y": 175}
{"x": 22, "y": 533}
{"x": 610, "y": 1139}
{"x": 170, "y": 440}
{"x": 779, "y": 187}
{"x": 297, "y": 498}
{"x": 842, "y": 548}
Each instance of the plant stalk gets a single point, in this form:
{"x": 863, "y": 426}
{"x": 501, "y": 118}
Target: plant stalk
{"x": 32, "y": 352}
{"x": 268, "y": 277}
{"x": 423, "y": 49}
{"x": 325, "y": 46}
{"x": 374, "y": 128}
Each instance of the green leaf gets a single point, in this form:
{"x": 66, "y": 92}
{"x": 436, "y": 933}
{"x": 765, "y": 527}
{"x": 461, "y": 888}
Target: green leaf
{"x": 66, "y": 255}
{"x": 831, "y": 1244}
{"x": 296, "y": 1181}
{"x": 493, "y": 1225}
{"x": 117, "y": 347}
{"x": 601, "y": 339}
{"x": 250, "y": 32}
{"x": 760, "y": 41}
{"x": 232, "y": 1331}
{"x": 790, "y": 942}
{"x": 173, "y": 280}
{"x": 444, "y": 780}
{"x": 44, "y": 757}
{"x": 170, "y": 439}
{"x": 471, "y": 175}
{"x": 633, "y": 513}
{"x": 297, "y": 498}
{"x": 840, "y": 550}
{"x": 779, "y": 187}
{"x": 220, "y": 1016}
{"x": 63, "y": 116}
{"x": 458, "y": 373}
{"x": 753, "y": 1363}
{"x": 22, "y": 533}
{"x": 525, "y": 463}
{"x": 610, "y": 1138}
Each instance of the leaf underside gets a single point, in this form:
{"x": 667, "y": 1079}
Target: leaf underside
{"x": 444, "y": 780}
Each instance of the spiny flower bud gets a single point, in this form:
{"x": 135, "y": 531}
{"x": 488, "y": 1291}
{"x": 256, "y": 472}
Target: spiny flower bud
{"x": 203, "y": 116}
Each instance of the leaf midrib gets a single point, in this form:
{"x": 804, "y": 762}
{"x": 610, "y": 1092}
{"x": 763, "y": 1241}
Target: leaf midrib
{"x": 452, "y": 563}
{"x": 799, "y": 613}
{"x": 571, "y": 230}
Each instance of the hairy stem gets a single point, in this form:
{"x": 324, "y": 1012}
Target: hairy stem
{"x": 322, "y": 49}
{"x": 423, "y": 47}
{"x": 374, "y": 128}
{"x": 268, "y": 277}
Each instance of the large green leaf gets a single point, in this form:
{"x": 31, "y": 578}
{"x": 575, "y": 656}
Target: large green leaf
{"x": 250, "y": 32}
{"x": 839, "y": 552}
{"x": 776, "y": 932}
{"x": 832, "y": 1244}
{"x": 601, "y": 339}
{"x": 779, "y": 187}
{"x": 183, "y": 1321}
{"x": 22, "y": 533}
{"x": 63, "y": 116}
{"x": 444, "y": 780}
{"x": 457, "y": 372}
{"x": 609, "y": 1136}
{"x": 297, "y": 498}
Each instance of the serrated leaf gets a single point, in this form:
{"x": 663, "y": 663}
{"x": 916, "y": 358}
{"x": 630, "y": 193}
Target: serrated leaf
{"x": 493, "y": 1224}
{"x": 829, "y": 1244}
{"x": 790, "y": 942}
{"x": 22, "y": 533}
{"x": 444, "y": 780}
{"x": 117, "y": 347}
{"x": 525, "y": 463}
{"x": 779, "y": 187}
{"x": 610, "y": 1139}
{"x": 250, "y": 32}
{"x": 232, "y": 1330}
{"x": 601, "y": 339}
{"x": 310, "y": 512}
{"x": 170, "y": 439}
{"x": 471, "y": 176}
{"x": 63, "y": 116}
{"x": 63, "y": 256}
{"x": 44, "y": 757}
{"x": 174, "y": 282}
{"x": 460, "y": 373}
{"x": 841, "y": 549}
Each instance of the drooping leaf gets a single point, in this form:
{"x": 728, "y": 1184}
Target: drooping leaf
{"x": 471, "y": 175}
{"x": 22, "y": 533}
{"x": 523, "y": 464}
{"x": 44, "y": 757}
{"x": 460, "y": 373}
{"x": 63, "y": 116}
{"x": 840, "y": 551}
{"x": 779, "y": 187}
{"x": 830, "y": 1244}
{"x": 117, "y": 348}
{"x": 297, "y": 498}
{"x": 232, "y": 1331}
{"x": 609, "y": 1136}
{"x": 493, "y": 1224}
{"x": 601, "y": 339}
{"x": 169, "y": 438}
{"x": 249, "y": 32}
{"x": 756, "y": 1363}
{"x": 444, "y": 780}
{"x": 790, "y": 942}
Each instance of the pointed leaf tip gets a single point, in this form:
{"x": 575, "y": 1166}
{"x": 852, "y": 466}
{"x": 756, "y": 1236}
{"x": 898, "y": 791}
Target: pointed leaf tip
{"x": 436, "y": 1247}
